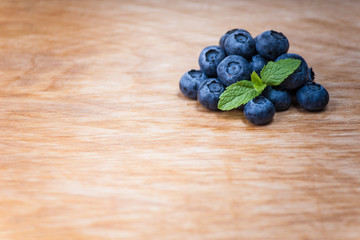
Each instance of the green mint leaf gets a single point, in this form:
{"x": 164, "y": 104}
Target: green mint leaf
{"x": 258, "y": 84}
{"x": 275, "y": 73}
{"x": 237, "y": 94}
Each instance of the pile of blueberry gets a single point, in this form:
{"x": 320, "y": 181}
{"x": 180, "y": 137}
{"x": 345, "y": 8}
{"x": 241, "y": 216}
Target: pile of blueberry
{"x": 236, "y": 57}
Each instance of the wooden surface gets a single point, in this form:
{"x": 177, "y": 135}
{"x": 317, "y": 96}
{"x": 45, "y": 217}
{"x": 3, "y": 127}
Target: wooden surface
{"x": 97, "y": 142}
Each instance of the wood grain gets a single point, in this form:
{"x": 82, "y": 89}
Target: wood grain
{"x": 97, "y": 142}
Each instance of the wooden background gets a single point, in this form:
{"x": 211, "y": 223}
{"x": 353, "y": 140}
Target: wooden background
{"x": 96, "y": 141}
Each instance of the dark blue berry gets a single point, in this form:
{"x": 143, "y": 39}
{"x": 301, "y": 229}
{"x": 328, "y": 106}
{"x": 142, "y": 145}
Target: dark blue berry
{"x": 257, "y": 63}
{"x": 259, "y": 110}
{"x": 271, "y": 44}
{"x": 223, "y": 37}
{"x": 241, "y": 43}
{"x": 281, "y": 98}
{"x": 312, "y": 97}
{"x": 233, "y": 69}
{"x": 189, "y": 83}
{"x": 209, "y": 58}
{"x": 209, "y": 93}
{"x": 299, "y": 77}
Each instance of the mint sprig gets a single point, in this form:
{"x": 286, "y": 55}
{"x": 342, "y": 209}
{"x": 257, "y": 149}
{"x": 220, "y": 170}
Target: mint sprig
{"x": 272, "y": 74}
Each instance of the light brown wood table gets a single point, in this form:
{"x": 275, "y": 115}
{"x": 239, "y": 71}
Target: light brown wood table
{"x": 96, "y": 141}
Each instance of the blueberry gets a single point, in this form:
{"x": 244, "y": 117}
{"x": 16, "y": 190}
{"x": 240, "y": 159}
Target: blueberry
{"x": 312, "y": 97}
{"x": 189, "y": 83}
{"x": 223, "y": 37}
{"x": 299, "y": 77}
{"x": 257, "y": 63}
{"x": 209, "y": 58}
{"x": 259, "y": 110}
{"x": 209, "y": 93}
{"x": 281, "y": 98}
{"x": 241, "y": 43}
{"x": 271, "y": 44}
{"x": 233, "y": 69}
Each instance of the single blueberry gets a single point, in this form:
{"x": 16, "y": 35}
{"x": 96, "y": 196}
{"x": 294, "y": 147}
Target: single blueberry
{"x": 241, "y": 43}
{"x": 257, "y": 63}
{"x": 281, "y": 98}
{"x": 223, "y": 37}
{"x": 189, "y": 83}
{"x": 259, "y": 110}
{"x": 233, "y": 69}
{"x": 312, "y": 97}
{"x": 299, "y": 77}
{"x": 271, "y": 44}
{"x": 209, "y": 93}
{"x": 209, "y": 58}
